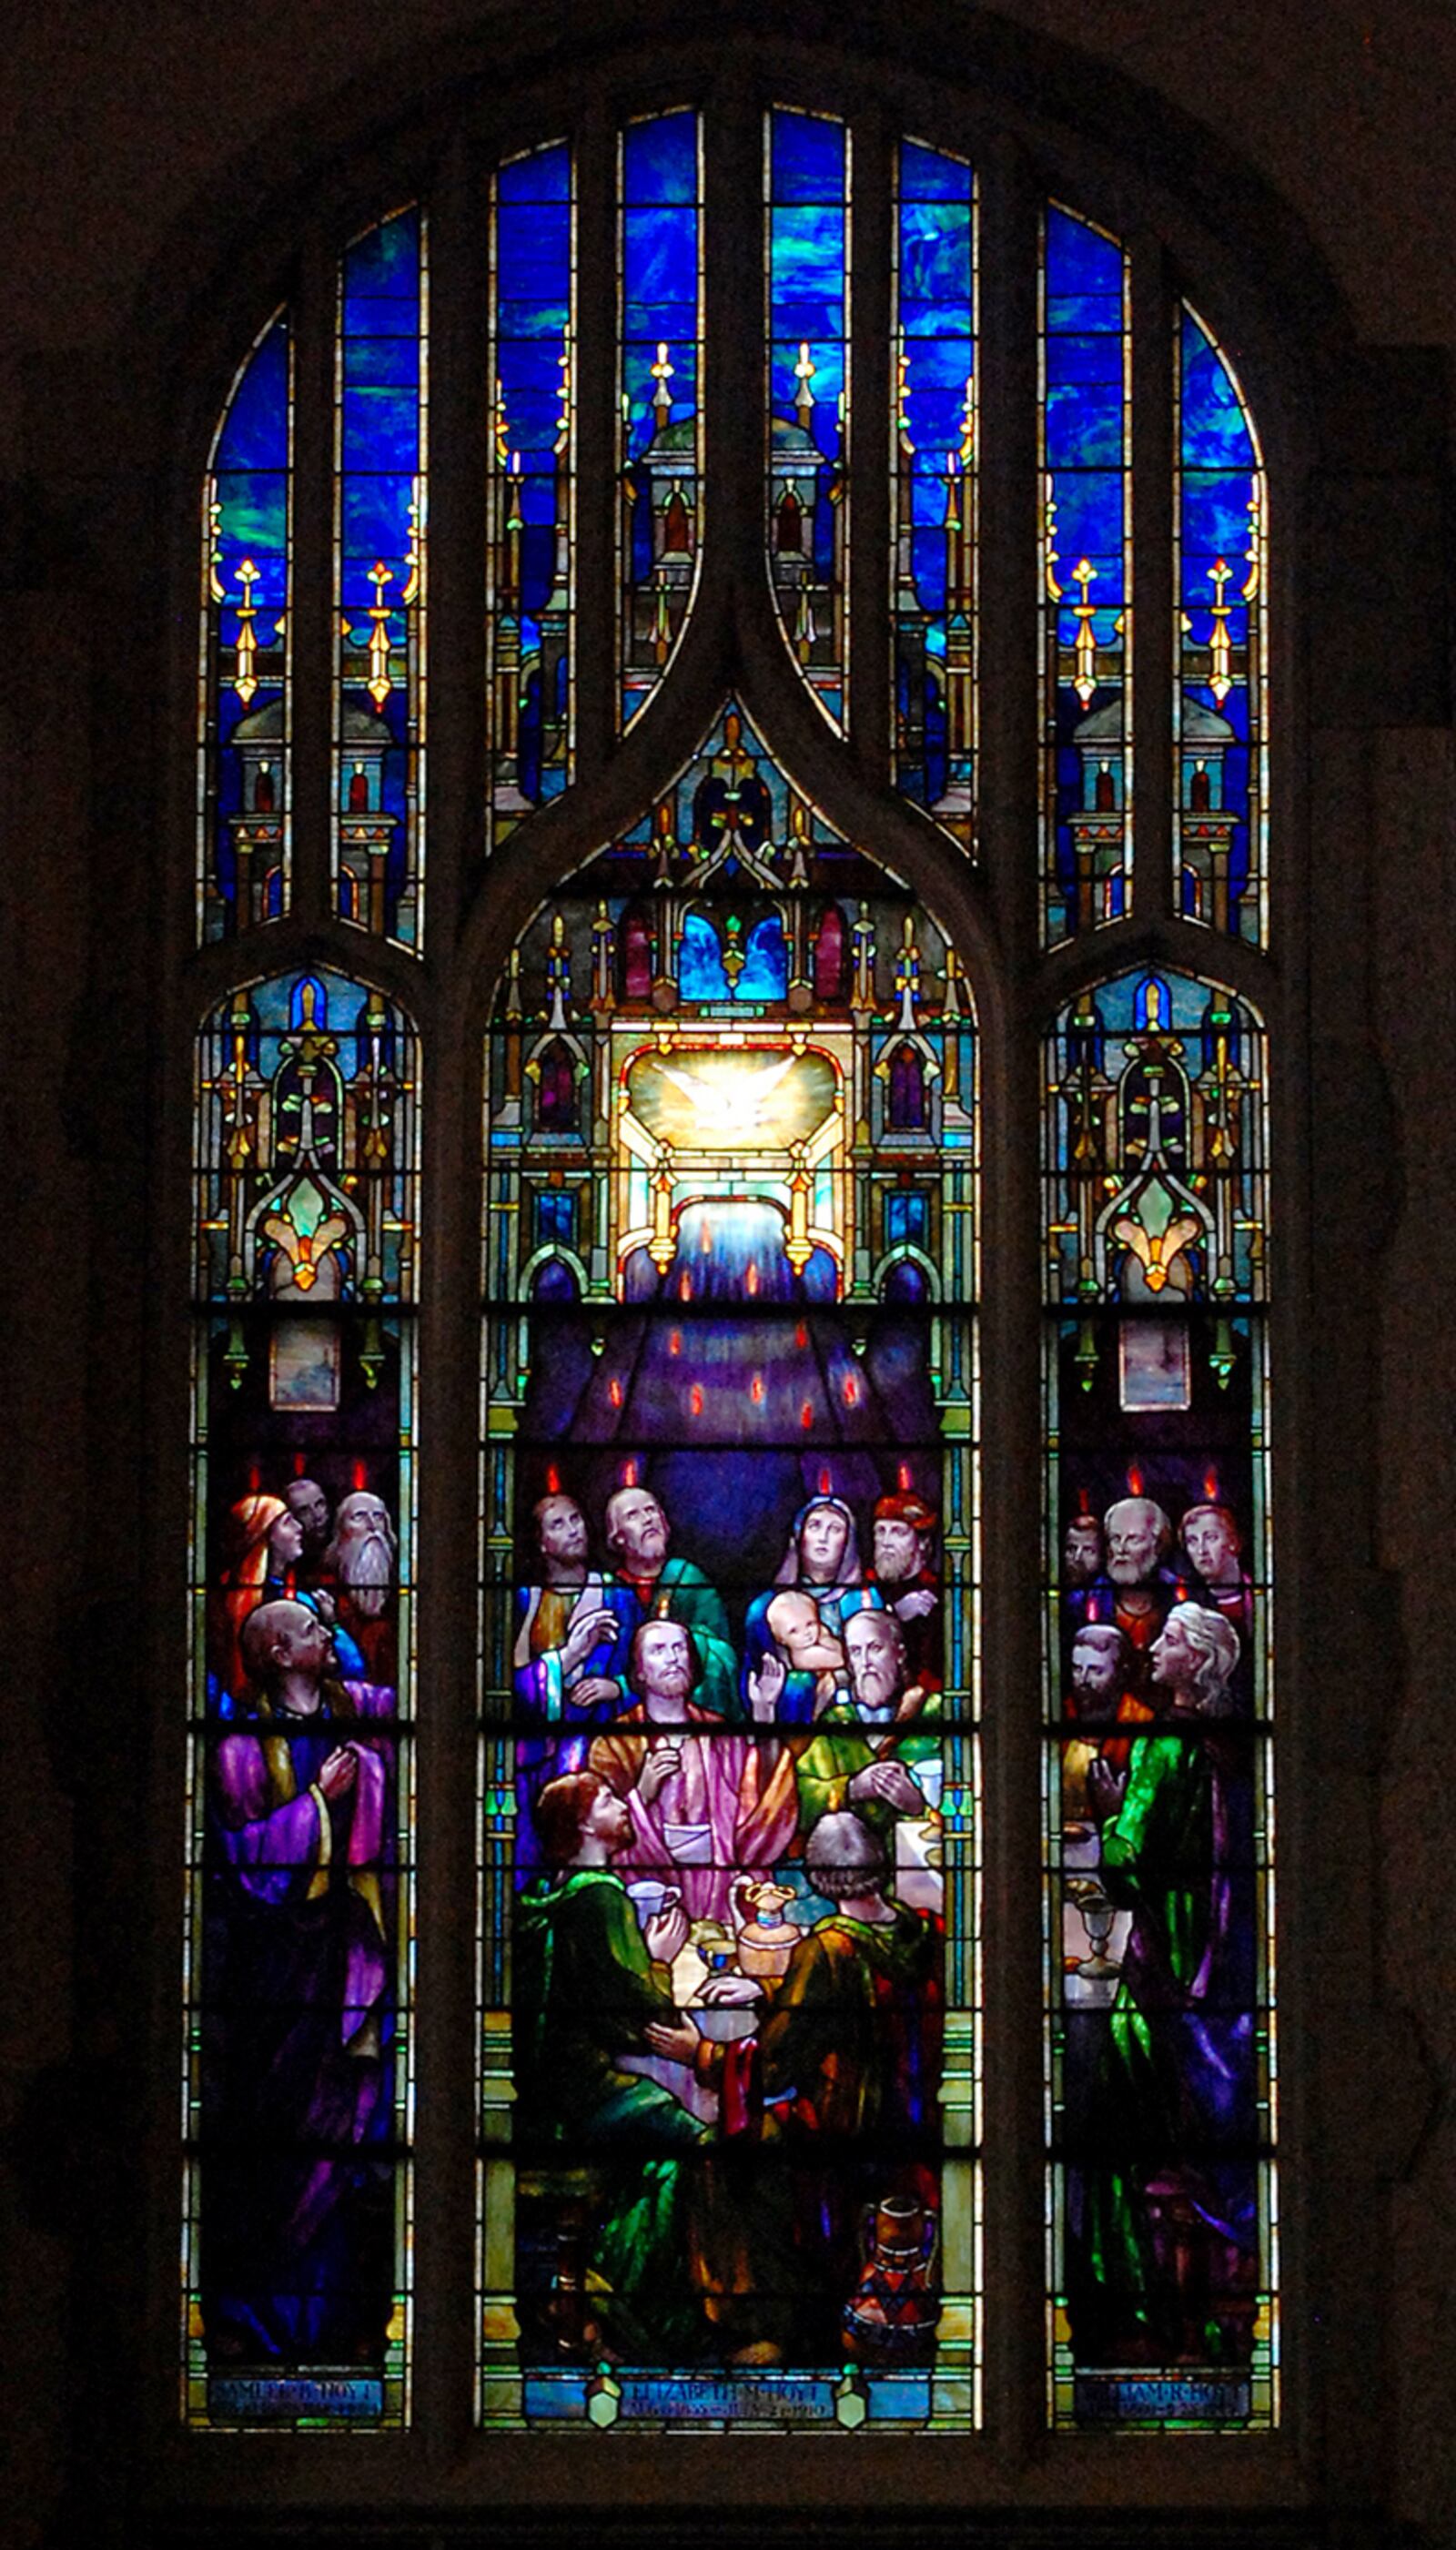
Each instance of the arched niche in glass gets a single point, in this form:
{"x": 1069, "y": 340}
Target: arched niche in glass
{"x": 244, "y": 710}
{"x": 1162, "y": 2217}
{"x": 300, "y": 1824}
{"x": 1086, "y": 459}
{"x": 806, "y": 192}
{"x": 1221, "y": 672}
{"x": 381, "y": 407}
{"x": 661, "y": 389}
{"x": 730, "y": 1636}
{"x": 530, "y": 582}
{"x": 935, "y": 484}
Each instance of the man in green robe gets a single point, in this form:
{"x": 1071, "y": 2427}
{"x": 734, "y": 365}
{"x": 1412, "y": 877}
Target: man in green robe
{"x": 591, "y": 1987}
{"x": 1166, "y": 2204}
{"x": 647, "y": 1585}
{"x": 857, "y": 1755}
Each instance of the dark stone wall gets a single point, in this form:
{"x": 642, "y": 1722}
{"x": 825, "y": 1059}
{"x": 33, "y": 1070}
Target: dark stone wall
{"x": 154, "y": 147}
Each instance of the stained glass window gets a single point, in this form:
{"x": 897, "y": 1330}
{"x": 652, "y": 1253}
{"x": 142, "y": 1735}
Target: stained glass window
{"x": 731, "y": 1938}
{"x": 1221, "y": 674}
{"x": 936, "y": 486}
{"x": 1085, "y": 460}
{"x": 662, "y": 529}
{"x": 807, "y": 182}
{"x": 379, "y": 697}
{"x": 1158, "y": 1697}
{"x": 730, "y": 1636}
{"x": 532, "y": 479}
{"x": 300, "y": 1882}
{"x": 245, "y": 771}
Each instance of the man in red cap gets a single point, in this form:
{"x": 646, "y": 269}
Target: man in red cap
{"x": 907, "y": 1584}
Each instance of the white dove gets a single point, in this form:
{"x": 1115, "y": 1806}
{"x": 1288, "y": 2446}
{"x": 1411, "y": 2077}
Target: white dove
{"x": 729, "y": 1106}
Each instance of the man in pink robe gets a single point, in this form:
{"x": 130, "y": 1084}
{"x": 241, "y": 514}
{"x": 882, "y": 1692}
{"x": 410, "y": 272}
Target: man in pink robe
{"x": 707, "y": 1806}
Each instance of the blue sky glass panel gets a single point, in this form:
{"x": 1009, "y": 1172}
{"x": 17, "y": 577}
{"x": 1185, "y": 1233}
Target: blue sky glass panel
{"x": 244, "y": 769}
{"x": 733, "y": 1361}
{"x": 1159, "y": 1883}
{"x": 531, "y": 602}
{"x": 935, "y": 485}
{"x": 660, "y": 391}
{"x": 1086, "y": 462}
{"x": 379, "y": 700}
{"x": 1222, "y": 532}
{"x": 808, "y": 185}
{"x": 297, "y": 2241}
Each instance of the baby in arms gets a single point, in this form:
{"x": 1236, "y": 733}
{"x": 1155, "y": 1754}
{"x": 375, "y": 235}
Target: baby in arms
{"x": 811, "y": 1655}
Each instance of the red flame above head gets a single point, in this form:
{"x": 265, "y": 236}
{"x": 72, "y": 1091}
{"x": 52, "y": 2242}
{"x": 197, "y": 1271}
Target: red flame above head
{"x": 254, "y": 1480}
{"x": 1210, "y": 1486}
{"x": 629, "y": 1474}
{"x": 685, "y": 1288}
{"x": 825, "y": 1487}
{"x": 360, "y": 1476}
{"x": 290, "y": 1584}
{"x": 755, "y": 1390}
{"x": 1180, "y": 1591}
{"x": 675, "y": 1342}
{"x": 299, "y": 1459}
{"x": 1135, "y": 1481}
{"x": 695, "y": 1400}
{"x": 905, "y": 1478}
{"x": 852, "y": 1390}
{"x": 553, "y": 1483}
{"x": 805, "y": 1415}
{"x": 801, "y": 1336}
{"x": 1094, "y": 1607}
{"x": 614, "y": 1391}
{"x": 751, "y": 1280}
{"x": 1083, "y": 1502}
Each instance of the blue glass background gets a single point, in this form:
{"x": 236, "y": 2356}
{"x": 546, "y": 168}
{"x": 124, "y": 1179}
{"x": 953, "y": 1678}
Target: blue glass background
{"x": 1085, "y": 451}
{"x": 1218, "y": 464}
{"x": 533, "y": 321}
{"x": 936, "y": 318}
{"x": 381, "y": 453}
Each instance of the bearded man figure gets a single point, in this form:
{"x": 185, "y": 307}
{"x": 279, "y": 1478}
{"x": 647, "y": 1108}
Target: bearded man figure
{"x": 359, "y": 1564}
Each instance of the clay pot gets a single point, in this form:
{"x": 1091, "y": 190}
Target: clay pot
{"x": 890, "y": 2317}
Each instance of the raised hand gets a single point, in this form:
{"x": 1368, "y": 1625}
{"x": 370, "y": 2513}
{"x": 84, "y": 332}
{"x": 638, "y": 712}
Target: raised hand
{"x": 587, "y": 1629}
{"x": 916, "y": 1603}
{"x": 765, "y": 1688}
{"x": 1106, "y": 1790}
{"x": 339, "y": 1771}
{"x": 657, "y": 1770}
{"x": 666, "y": 1935}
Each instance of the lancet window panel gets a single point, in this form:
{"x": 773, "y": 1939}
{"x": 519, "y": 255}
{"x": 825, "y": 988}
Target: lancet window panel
{"x": 806, "y": 189}
{"x": 1221, "y": 672}
{"x": 661, "y": 529}
{"x": 381, "y": 407}
{"x": 245, "y": 765}
{"x": 299, "y": 2096}
{"x": 1162, "y": 2224}
{"x": 531, "y": 600}
{"x": 730, "y": 1636}
{"x": 935, "y": 483}
{"x": 1086, "y": 352}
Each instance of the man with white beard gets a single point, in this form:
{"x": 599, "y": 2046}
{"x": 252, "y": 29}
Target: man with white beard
{"x": 359, "y": 1564}
{"x": 1136, "y": 1591}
